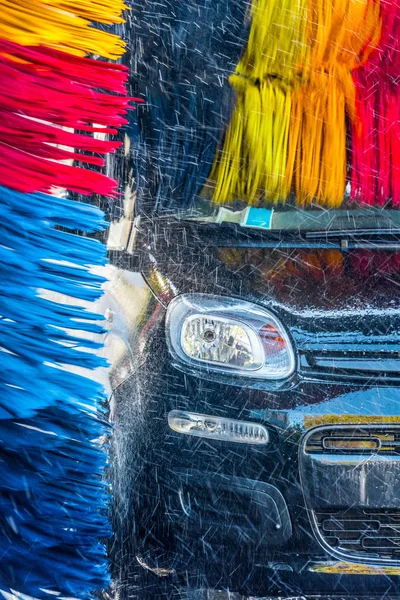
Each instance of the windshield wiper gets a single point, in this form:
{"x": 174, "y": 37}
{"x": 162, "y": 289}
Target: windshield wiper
{"x": 355, "y": 233}
{"x": 360, "y": 239}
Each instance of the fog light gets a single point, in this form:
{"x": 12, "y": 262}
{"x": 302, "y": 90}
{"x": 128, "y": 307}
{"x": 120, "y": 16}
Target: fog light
{"x": 217, "y": 428}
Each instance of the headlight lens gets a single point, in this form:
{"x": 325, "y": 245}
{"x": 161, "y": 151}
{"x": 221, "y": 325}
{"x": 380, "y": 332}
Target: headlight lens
{"x": 221, "y": 342}
{"x": 227, "y": 335}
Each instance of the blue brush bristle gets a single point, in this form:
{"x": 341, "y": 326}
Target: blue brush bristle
{"x": 53, "y": 502}
{"x": 181, "y": 56}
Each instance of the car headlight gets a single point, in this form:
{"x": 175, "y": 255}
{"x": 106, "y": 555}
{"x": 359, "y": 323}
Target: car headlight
{"x": 225, "y": 335}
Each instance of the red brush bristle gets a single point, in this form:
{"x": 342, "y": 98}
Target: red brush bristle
{"x": 375, "y": 134}
{"x": 40, "y": 97}
{"x": 29, "y": 172}
{"x": 94, "y": 73}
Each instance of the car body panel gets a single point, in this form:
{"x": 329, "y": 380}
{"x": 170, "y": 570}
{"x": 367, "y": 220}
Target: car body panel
{"x": 342, "y": 312}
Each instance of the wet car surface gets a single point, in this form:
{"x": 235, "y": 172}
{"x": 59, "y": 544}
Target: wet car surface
{"x": 315, "y": 510}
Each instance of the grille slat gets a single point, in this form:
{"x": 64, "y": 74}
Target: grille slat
{"x": 361, "y": 532}
{"x": 354, "y": 441}
{"x": 350, "y": 526}
{"x": 372, "y": 362}
{"x": 381, "y": 543}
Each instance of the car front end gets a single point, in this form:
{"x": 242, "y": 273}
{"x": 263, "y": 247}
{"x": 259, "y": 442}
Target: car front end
{"x": 256, "y": 404}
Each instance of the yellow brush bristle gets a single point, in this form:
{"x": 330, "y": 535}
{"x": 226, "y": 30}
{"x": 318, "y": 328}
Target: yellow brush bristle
{"x": 253, "y": 160}
{"x": 102, "y": 11}
{"x": 252, "y": 163}
{"x": 63, "y": 24}
{"x": 294, "y": 88}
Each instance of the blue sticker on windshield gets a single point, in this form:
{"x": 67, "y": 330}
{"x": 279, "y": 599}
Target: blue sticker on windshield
{"x": 258, "y": 217}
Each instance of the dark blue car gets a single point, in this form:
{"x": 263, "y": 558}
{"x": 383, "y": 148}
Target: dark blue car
{"x": 256, "y": 404}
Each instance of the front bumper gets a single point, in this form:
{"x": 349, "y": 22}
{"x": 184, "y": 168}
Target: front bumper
{"x": 246, "y": 515}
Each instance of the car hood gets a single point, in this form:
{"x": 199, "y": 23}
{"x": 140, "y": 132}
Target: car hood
{"x": 341, "y": 307}
{"x": 296, "y": 275}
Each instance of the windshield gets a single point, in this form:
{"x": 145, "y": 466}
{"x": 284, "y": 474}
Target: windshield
{"x": 291, "y": 218}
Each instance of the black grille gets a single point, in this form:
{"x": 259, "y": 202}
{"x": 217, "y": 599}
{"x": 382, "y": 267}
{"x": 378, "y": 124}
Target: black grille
{"x": 354, "y": 441}
{"x": 362, "y": 532}
{"x": 345, "y": 362}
